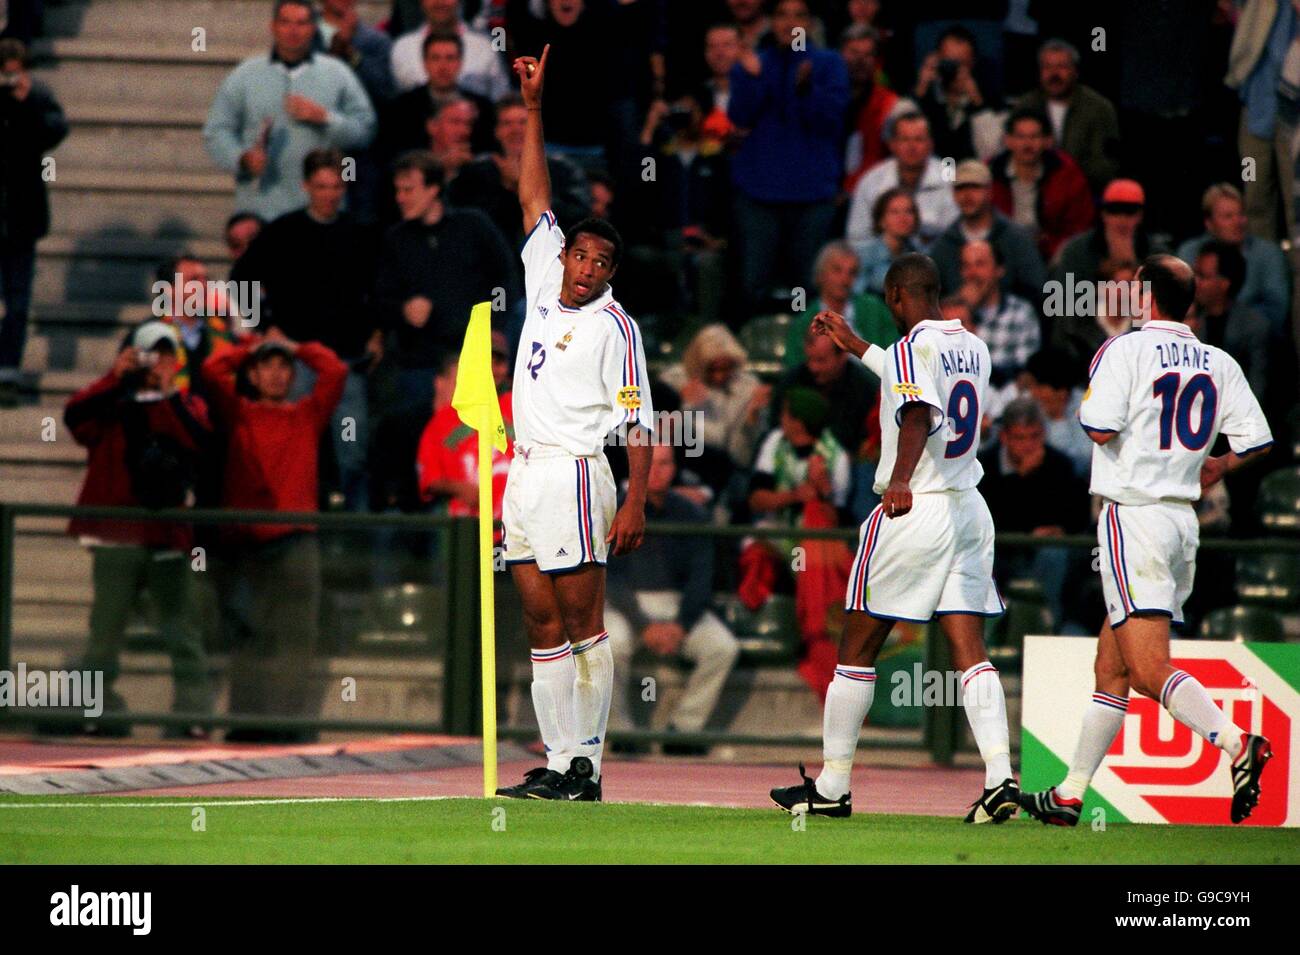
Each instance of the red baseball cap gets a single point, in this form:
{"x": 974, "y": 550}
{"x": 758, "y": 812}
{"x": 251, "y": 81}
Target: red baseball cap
{"x": 1128, "y": 191}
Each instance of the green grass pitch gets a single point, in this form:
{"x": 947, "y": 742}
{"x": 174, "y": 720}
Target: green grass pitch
{"x": 499, "y": 831}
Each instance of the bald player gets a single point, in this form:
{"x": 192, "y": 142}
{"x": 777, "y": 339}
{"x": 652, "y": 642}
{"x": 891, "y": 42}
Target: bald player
{"x": 927, "y": 549}
{"x": 1157, "y": 398}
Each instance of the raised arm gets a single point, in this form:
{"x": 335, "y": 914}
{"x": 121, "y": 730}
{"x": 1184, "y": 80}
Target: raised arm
{"x": 534, "y": 180}
{"x": 837, "y": 327}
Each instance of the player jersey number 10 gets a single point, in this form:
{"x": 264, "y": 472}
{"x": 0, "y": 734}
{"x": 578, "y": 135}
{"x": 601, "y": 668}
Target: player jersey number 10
{"x": 1176, "y": 409}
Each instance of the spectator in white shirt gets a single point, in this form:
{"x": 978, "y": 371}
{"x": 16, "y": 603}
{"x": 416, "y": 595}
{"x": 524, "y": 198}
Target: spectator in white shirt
{"x": 912, "y": 166}
{"x": 483, "y": 72}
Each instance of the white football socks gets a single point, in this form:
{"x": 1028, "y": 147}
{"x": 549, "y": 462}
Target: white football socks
{"x": 847, "y": 701}
{"x": 1101, "y": 721}
{"x": 986, "y": 711}
{"x": 1186, "y": 700}
{"x": 592, "y": 692}
{"x": 554, "y": 677}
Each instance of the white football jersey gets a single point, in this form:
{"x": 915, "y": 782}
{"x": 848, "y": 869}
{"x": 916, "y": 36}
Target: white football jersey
{"x": 942, "y": 365}
{"x": 579, "y": 372}
{"x": 1166, "y": 396}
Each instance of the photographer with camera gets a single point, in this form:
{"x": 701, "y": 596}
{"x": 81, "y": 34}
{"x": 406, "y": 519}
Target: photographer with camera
{"x": 31, "y": 124}
{"x": 145, "y": 440}
{"x": 948, "y": 93}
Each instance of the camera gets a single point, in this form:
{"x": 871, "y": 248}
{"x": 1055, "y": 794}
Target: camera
{"x": 678, "y": 118}
{"x": 948, "y": 70}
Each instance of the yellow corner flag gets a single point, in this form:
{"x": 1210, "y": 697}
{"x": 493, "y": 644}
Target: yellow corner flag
{"x": 475, "y": 400}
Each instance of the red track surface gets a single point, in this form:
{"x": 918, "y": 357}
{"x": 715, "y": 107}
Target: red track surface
{"x": 922, "y": 790}
{"x": 936, "y": 792}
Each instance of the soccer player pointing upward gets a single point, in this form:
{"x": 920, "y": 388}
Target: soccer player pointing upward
{"x": 927, "y": 549}
{"x": 579, "y": 374}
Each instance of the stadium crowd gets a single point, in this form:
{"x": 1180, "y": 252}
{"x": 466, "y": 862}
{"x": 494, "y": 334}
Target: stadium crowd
{"x": 762, "y": 160}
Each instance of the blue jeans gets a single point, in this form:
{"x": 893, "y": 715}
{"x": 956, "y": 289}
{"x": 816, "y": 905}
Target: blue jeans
{"x": 767, "y": 232}
{"x": 1050, "y": 566}
{"x": 17, "y": 266}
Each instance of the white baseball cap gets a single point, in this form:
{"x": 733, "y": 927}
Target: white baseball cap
{"x": 149, "y": 335}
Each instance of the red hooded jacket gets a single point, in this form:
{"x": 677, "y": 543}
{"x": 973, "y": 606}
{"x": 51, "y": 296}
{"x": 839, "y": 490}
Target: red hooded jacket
{"x": 97, "y": 415}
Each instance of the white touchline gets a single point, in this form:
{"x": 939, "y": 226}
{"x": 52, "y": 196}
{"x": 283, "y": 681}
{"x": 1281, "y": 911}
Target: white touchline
{"x": 113, "y": 802}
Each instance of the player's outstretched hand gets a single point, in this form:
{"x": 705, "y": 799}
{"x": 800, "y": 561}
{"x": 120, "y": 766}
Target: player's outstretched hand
{"x": 531, "y": 73}
{"x": 627, "y": 530}
{"x": 897, "y": 500}
{"x": 841, "y": 333}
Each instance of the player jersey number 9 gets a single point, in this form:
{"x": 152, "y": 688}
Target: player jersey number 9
{"x": 963, "y": 418}
{"x": 1176, "y": 409}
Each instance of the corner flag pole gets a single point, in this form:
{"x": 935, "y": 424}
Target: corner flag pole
{"x": 475, "y": 400}
{"x": 487, "y": 603}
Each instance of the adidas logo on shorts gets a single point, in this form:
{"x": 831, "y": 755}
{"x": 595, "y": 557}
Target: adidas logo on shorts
{"x": 561, "y": 553}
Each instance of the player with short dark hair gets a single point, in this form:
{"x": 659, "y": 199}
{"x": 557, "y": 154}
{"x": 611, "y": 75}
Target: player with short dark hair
{"x": 1157, "y": 399}
{"x": 579, "y": 374}
{"x": 927, "y": 550}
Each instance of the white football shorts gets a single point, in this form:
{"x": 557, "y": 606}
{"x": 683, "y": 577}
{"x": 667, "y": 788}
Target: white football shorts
{"x": 557, "y": 509}
{"x": 935, "y": 559}
{"x": 1147, "y": 557}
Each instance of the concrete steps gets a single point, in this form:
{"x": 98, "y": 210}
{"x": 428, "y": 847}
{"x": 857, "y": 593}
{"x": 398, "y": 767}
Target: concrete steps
{"x": 149, "y": 75}
{"x": 27, "y": 423}
{"x": 112, "y": 268}
{"x": 41, "y": 484}
{"x": 178, "y": 207}
{"x": 34, "y": 452}
{"x": 69, "y": 351}
{"x": 112, "y": 137}
{"x": 227, "y": 24}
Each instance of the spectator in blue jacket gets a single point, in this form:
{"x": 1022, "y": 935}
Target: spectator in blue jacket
{"x": 276, "y": 107}
{"x": 342, "y": 34}
{"x": 789, "y": 99}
